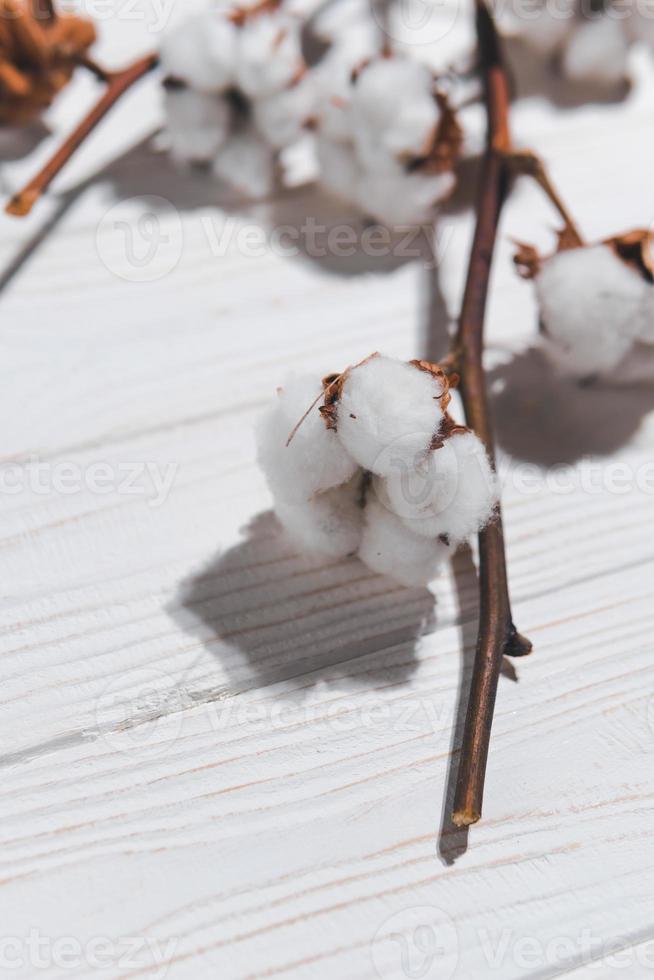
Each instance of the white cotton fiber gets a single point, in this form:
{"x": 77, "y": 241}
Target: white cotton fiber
{"x": 334, "y": 87}
{"x": 590, "y": 305}
{"x": 394, "y": 113}
{"x": 247, "y": 163}
{"x": 329, "y": 524}
{"x": 315, "y": 459}
{"x": 452, "y": 492}
{"x": 388, "y": 412}
{"x": 339, "y": 169}
{"x": 390, "y": 548}
{"x": 201, "y": 51}
{"x": 402, "y": 198}
{"x": 268, "y": 54}
{"x": 280, "y": 118}
{"x": 197, "y": 124}
{"x": 597, "y": 52}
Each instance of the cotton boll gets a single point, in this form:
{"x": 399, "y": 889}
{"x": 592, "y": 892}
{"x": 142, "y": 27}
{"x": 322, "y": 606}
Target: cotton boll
{"x": 399, "y": 199}
{"x": 387, "y": 414}
{"x": 269, "y": 56}
{"x": 339, "y": 169}
{"x": 452, "y": 492}
{"x": 393, "y": 111}
{"x": 314, "y": 460}
{"x": 589, "y": 302}
{"x": 201, "y": 52}
{"x": 597, "y": 53}
{"x": 328, "y": 524}
{"x": 390, "y": 548}
{"x": 280, "y": 118}
{"x": 334, "y": 89}
{"x": 247, "y": 163}
{"x": 197, "y": 124}
{"x": 543, "y": 28}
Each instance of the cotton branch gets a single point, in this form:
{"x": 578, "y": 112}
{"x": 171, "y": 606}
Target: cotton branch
{"x": 117, "y": 84}
{"x": 498, "y": 636}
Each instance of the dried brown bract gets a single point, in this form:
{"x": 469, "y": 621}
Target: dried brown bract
{"x": 37, "y": 58}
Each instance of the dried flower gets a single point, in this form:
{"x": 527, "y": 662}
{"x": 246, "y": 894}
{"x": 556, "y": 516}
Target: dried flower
{"x": 37, "y": 58}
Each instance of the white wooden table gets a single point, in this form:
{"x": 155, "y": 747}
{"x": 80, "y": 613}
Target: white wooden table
{"x": 220, "y": 759}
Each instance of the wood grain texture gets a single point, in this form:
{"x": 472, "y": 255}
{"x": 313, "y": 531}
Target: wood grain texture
{"x": 238, "y": 757}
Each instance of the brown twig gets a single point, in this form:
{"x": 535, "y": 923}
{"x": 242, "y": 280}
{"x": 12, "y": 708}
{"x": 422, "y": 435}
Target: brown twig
{"x": 117, "y": 84}
{"x": 498, "y": 636}
{"x": 528, "y": 164}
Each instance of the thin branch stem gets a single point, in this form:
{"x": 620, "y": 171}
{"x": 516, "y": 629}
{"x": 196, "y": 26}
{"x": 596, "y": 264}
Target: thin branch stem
{"x": 498, "y": 636}
{"x": 117, "y": 84}
{"x": 526, "y": 162}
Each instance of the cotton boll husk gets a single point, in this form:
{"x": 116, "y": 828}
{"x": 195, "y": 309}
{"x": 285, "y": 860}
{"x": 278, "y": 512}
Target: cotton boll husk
{"x": 390, "y": 548}
{"x": 339, "y": 168}
{"x": 269, "y": 55}
{"x": 280, "y": 118}
{"x": 197, "y": 124}
{"x": 329, "y": 524}
{"x": 589, "y": 301}
{"x": 315, "y": 460}
{"x": 399, "y": 199}
{"x": 597, "y": 52}
{"x": 387, "y": 414}
{"x": 452, "y": 492}
{"x": 201, "y": 52}
{"x": 393, "y": 110}
{"x": 247, "y": 163}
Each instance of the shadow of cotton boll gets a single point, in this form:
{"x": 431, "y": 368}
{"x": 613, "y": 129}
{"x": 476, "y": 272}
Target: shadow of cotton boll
{"x": 537, "y": 75}
{"x": 544, "y": 418}
{"x": 270, "y": 614}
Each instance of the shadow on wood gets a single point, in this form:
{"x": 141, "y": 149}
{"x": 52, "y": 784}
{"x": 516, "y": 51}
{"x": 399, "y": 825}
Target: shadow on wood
{"x": 546, "y": 419}
{"x": 270, "y": 615}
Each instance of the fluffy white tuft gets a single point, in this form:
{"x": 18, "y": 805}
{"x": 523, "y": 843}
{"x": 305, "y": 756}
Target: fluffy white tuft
{"x": 201, "y": 51}
{"x": 402, "y": 198}
{"x": 394, "y": 114}
{"x": 591, "y": 305}
{"x": 452, "y": 492}
{"x": 280, "y": 118}
{"x": 387, "y": 414}
{"x": 247, "y": 163}
{"x": 597, "y": 52}
{"x": 328, "y": 524}
{"x": 268, "y": 56}
{"x": 390, "y": 548}
{"x": 315, "y": 460}
{"x": 197, "y": 124}
{"x": 338, "y": 167}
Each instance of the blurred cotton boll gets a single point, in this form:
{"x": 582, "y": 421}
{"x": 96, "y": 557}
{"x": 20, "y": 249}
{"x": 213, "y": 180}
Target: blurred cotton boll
{"x": 593, "y": 307}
